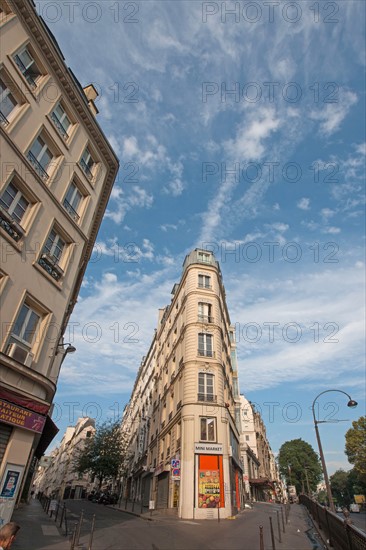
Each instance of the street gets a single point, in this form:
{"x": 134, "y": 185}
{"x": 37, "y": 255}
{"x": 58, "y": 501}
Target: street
{"x": 116, "y": 530}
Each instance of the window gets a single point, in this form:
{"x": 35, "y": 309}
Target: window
{"x": 204, "y": 257}
{"x": 87, "y": 163}
{"x": 25, "y": 326}
{"x": 247, "y": 438}
{"x": 40, "y": 157}
{"x": 204, "y": 281}
{"x": 28, "y": 66}
{"x": 14, "y": 202}
{"x": 206, "y": 387}
{"x": 205, "y": 344}
{"x": 52, "y": 254}
{"x": 13, "y": 206}
{"x": 72, "y": 201}
{"x": 7, "y": 103}
{"x": 61, "y": 120}
{"x": 208, "y": 429}
{"x": 204, "y": 312}
{"x": 233, "y": 361}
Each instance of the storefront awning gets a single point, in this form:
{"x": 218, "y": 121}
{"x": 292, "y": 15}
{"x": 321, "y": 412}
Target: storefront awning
{"x": 50, "y": 430}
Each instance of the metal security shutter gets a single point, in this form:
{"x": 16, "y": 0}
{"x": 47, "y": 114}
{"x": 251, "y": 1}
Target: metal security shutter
{"x": 146, "y": 489}
{"x": 163, "y": 490}
{"x": 5, "y": 433}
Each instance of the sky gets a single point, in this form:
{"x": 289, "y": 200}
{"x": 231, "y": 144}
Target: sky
{"x": 240, "y": 129}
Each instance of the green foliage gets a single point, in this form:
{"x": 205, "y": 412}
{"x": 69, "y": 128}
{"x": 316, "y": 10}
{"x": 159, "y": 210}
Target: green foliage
{"x": 297, "y": 459}
{"x": 345, "y": 485}
{"x": 356, "y": 446}
{"x": 103, "y": 454}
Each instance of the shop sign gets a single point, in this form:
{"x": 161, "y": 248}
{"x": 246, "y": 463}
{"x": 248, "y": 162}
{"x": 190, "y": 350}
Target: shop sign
{"x": 209, "y": 448}
{"x": 17, "y": 416}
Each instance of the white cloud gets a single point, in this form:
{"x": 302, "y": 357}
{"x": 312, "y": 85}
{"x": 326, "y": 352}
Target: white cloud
{"x": 303, "y": 204}
{"x": 332, "y": 115}
{"x": 332, "y": 230}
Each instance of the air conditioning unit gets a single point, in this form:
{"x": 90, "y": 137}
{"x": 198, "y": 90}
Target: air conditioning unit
{"x": 20, "y": 354}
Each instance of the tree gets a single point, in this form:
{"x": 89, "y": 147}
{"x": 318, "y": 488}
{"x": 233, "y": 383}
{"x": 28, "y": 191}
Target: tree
{"x": 356, "y": 446}
{"x": 103, "y": 454}
{"x": 339, "y": 482}
{"x": 300, "y": 464}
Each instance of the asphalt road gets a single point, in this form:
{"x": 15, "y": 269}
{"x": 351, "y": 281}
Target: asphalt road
{"x": 115, "y": 530}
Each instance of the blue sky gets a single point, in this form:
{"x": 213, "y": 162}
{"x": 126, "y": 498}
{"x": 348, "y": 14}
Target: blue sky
{"x": 240, "y": 133}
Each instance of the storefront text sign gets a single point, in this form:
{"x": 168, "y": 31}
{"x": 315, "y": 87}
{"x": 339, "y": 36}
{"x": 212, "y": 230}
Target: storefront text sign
{"x": 17, "y": 416}
{"x": 209, "y": 448}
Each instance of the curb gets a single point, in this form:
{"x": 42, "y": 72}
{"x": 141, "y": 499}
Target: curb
{"x": 142, "y": 516}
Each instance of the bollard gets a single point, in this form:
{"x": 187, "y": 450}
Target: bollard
{"x": 79, "y": 528}
{"x": 279, "y": 526}
{"x": 283, "y": 520}
{"x": 272, "y": 534}
{"x": 261, "y": 543}
{"x": 142, "y": 506}
{"x": 133, "y": 505}
{"x": 62, "y": 515}
{"x": 218, "y": 513}
{"x": 74, "y": 536}
{"x": 56, "y": 511}
{"x": 91, "y": 533}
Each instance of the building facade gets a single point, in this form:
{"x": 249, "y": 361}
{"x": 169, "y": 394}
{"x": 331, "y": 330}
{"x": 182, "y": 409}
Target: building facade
{"x": 56, "y": 174}
{"x": 57, "y": 477}
{"x": 261, "y": 476}
{"x": 183, "y": 420}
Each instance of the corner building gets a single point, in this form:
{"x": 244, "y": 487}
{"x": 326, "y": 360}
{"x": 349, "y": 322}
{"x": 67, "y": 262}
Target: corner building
{"x": 56, "y": 174}
{"x": 183, "y": 420}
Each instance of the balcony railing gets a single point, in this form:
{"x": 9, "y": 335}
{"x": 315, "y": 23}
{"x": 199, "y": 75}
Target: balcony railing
{"x": 13, "y": 229}
{"x": 206, "y": 352}
{"x": 59, "y": 126}
{"x": 39, "y": 168}
{"x": 205, "y": 319}
{"x": 170, "y": 415}
{"x": 75, "y": 216}
{"x": 179, "y": 405}
{"x": 25, "y": 72}
{"x": 3, "y": 120}
{"x": 208, "y": 398}
{"x": 50, "y": 266}
{"x": 202, "y": 285}
{"x": 86, "y": 169}
{"x": 178, "y": 443}
{"x": 163, "y": 424}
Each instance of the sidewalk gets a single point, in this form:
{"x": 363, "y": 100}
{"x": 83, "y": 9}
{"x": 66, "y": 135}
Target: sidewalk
{"x": 37, "y": 529}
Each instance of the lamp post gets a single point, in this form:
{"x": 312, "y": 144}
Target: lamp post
{"x": 351, "y": 403}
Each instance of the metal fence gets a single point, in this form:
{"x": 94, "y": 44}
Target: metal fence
{"x": 341, "y": 535}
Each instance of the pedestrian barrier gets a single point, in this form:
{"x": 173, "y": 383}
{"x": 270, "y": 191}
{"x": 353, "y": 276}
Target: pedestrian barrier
{"x": 340, "y": 534}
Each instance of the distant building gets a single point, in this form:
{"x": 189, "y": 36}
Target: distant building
{"x": 56, "y": 175}
{"x": 183, "y": 419}
{"x": 58, "y": 476}
{"x": 261, "y": 476}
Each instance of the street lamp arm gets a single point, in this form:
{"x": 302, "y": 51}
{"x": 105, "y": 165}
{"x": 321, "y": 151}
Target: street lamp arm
{"x": 327, "y": 391}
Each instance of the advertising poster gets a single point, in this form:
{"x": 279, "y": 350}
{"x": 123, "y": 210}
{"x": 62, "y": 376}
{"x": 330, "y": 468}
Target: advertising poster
{"x": 208, "y": 489}
{"x": 10, "y": 483}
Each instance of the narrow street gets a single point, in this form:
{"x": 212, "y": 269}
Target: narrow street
{"x": 116, "y": 530}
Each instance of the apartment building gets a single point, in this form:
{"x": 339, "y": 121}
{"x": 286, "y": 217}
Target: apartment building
{"x": 183, "y": 420}
{"x": 56, "y": 174}
{"x": 57, "y": 477}
{"x": 261, "y": 476}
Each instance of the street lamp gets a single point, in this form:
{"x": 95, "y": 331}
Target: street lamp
{"x": 351, "y": 403}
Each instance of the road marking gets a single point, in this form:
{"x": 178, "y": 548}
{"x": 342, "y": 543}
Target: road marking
{"x": 189, "y": 522}
{"x": 50, "y": 530}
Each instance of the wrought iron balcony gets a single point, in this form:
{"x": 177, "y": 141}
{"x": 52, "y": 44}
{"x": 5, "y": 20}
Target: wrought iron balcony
{"x": 75, "y": 216}
{"x": 39, "y": 168}
{"x": 205, "y": 319}
{"x": 12, "y": 228}
{"x": 178, "y": 443}
{"x": 59, "y": 126}
{"x": 205, "y": 352}
{"x": 207, "y": 398}
{"x": 86, "y": 169}
{"x": 201, "y": 285}
{"x": 3, "y": 120}
{"x": 25, "y": 72}
{"x": 50, "y": 265}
